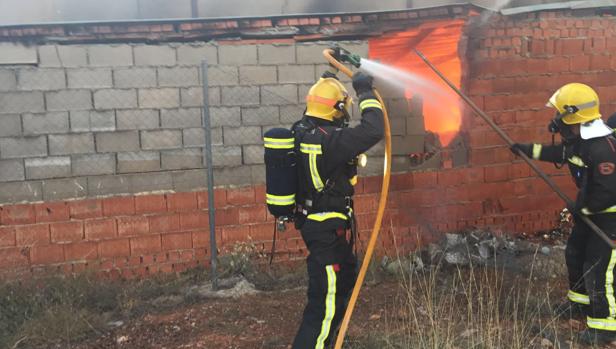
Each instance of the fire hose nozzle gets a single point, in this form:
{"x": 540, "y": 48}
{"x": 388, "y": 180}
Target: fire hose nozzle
{"x": 345, "y": 56}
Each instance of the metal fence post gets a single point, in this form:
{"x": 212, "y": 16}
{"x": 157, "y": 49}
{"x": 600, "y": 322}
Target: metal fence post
{"x": 207, "y": 154}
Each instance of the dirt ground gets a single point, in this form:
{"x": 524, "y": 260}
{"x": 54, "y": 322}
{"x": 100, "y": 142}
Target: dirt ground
{"x": 390, "y": 312}
{"x": 267, "y": 320}
{"x": 264, "y": 321}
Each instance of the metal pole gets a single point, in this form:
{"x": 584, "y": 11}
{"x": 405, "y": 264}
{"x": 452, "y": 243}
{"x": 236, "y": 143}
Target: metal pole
{"x": 207, "y": 160}
{"x": 510, "y": 142}
{"x": 194, "y": 8}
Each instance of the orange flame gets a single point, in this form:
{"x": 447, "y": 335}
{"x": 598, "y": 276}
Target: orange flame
{"x": 439, "y": 41}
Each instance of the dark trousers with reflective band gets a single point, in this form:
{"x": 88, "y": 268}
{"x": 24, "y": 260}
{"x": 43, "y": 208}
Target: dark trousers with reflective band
{"x": 591, "y": 264}
{"x": 575, "y": 256}
{"x": 329, "y": 288}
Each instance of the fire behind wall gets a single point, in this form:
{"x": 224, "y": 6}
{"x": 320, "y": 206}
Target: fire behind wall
{"x": 426, "y": 114}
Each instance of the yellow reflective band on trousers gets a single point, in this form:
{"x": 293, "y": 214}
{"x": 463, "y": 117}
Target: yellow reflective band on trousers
{"x": 330, "y": 307}
{"x": 587, "y": 212}
{"x": 537, "y": 151}
{"x": 578, "y": 298}
{"x": 278, "y": 143}
{"x": 313, "y": 150}
{"x": 609, "y": 285}
{"x": 323, "y": 216}
{"x": 370, "y": 103}
{"x": 577, "y": 161}
{"x": 601, "y": 324}
{"x": 278, "y": 200}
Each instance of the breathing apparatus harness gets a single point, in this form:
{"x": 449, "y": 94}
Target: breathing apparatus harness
{"x": 337, "y": 192}
{"x": 286, "y": 176}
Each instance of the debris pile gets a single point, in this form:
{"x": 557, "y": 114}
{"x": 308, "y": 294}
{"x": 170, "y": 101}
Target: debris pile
{"x": 234, "y": 287}
{"x": 544, "y": 256}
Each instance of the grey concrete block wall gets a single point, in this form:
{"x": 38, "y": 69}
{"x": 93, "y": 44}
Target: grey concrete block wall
{"x": 178, "y": 77}
{"x": 157, "y": 98}
{"x": 45, "y": 123}
{"x": 111, "y": 142}
{"x": 20, "y": 102}
{"x": 8, "y": 80}
{"x": 89, "y": 78}
{"x": 115, "y": 99}
{"x": 181, "y": 159}
{"x": 194, "y": 54}
{"x": 12, "y": 170}
{"x": 280, "y": 94}
{"x": 123, "y": 118}
{"x": 10, "y": 125}
{"x": 59, "y": 189}
{"x": 276, "y": 54}
{"x": 23, "y": 147}
{"x": 81, "y": 143}
{"x": 136, "y": 162}
{"x": 134, "y": 77}
{"x": 93, "y": 120}
{"x": 161, "y": 139}
{"x": 154, "y": 55}
{"x": 51, "y": 167}
{"x": 93, "y": 164}
{"x": 110, "y": 55}
{"x": 66, "y": 100}
{"x": 180, "y": 118}
{"x": 62, "y": 56}
{"x": 138, "y": 119}
{"x": 29, "y": 79}
{"x": 237, "y": 54}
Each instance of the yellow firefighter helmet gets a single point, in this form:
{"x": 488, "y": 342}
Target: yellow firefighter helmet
{"x": 577, "y": 103}
{"x": 328, "y": 99}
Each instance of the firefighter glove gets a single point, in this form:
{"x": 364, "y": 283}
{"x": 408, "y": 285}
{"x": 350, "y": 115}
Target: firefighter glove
{"x": 362, "y": 83}
{"x": 526, "y": 149}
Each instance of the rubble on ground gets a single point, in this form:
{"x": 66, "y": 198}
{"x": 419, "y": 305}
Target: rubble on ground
{"x": 234, "y": 287}
{"x": 543, "y": 256}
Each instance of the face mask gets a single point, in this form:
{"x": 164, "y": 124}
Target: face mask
{"x": 558, "y": 126}
{"x": 567, "y": 134}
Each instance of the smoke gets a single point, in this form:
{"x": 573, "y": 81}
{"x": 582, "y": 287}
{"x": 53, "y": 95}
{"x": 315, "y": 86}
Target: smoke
{"x": 319, "y": 6}
{"x": 498, "y": 5}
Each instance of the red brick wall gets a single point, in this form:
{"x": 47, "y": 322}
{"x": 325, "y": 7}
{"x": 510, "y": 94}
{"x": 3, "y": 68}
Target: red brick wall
{"x": 515, "y": 63}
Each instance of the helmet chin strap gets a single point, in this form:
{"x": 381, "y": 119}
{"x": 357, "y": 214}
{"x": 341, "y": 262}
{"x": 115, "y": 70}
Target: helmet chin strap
{"x": 343, "y": 121}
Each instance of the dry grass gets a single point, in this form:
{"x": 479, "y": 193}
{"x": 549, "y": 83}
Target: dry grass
{"x": 61, "y": 311}
{"x": 447, "y": 307}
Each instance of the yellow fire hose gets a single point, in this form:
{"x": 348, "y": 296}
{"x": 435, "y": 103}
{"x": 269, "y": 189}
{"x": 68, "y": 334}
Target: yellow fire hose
{"x": 381, "y": 210}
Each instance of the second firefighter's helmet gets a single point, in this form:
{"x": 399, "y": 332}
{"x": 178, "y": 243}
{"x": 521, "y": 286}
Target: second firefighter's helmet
{"x": 328, "y": 99}
{"x": 576, "y": 103}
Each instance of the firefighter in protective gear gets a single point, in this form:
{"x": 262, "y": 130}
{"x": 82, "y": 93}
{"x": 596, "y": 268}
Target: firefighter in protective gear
{"x": 327, "y": 164}
{"x": 589, "y": 149}
{"x": 611, "y": 121}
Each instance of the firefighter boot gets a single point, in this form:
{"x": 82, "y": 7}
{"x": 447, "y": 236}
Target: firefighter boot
{"x": 593, "y": 336}
{"x": 570, "y": 310}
